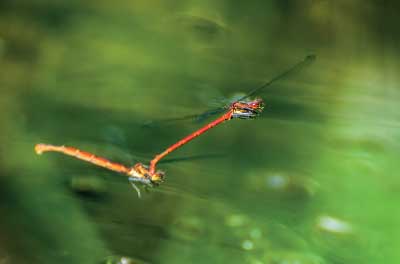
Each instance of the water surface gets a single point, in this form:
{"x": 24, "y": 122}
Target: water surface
{"x": 313, "y": 180}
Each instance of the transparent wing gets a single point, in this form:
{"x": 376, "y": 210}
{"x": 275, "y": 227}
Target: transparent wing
{"x": 194, "y": 117}
{"x": 292, "y": 70}
{"x": 209, "y": 113}
{"x": 194, "y": 157}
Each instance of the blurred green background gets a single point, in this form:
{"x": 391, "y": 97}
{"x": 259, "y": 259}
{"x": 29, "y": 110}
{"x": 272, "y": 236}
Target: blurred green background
{"x": 313, "y": 180}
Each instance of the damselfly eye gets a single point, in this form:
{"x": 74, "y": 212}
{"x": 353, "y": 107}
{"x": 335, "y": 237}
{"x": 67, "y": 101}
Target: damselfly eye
{"x": 157, "y": 177}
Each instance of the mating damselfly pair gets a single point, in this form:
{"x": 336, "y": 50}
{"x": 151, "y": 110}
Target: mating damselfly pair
{"x": 242, "y": 108}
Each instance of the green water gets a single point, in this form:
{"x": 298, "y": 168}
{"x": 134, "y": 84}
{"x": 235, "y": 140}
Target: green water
{"x": 313, "y": 180}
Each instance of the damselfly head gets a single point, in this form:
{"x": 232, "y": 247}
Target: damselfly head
{"x": 247, "y": 109}
{"x": 142, "y": 173}
{"x": 157, "y": 177}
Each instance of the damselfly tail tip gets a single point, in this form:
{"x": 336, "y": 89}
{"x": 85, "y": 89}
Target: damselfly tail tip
{"x": 39, "y": 148}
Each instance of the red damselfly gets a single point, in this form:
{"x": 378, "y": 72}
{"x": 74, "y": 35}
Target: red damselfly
{"x": 224, "y": 107}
